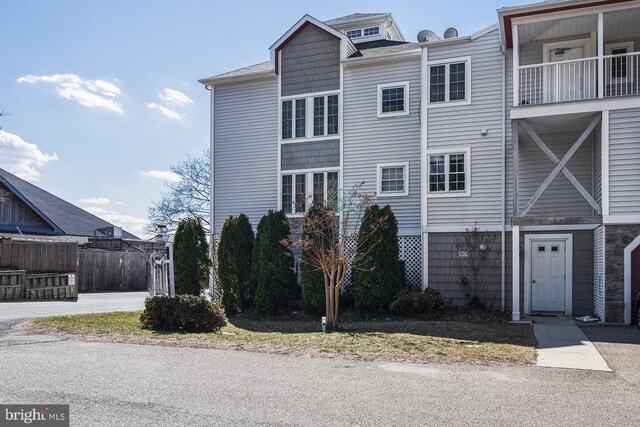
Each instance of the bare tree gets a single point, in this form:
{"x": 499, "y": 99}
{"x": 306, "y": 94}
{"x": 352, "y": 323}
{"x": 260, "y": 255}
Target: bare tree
{"x": 478, "y": 264}
{"x": 329, "y": 241}
{"x": 186, "y": 198}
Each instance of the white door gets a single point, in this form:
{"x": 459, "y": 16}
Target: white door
{"x": 566, "y": 80}
{"x": 548, "y": 276}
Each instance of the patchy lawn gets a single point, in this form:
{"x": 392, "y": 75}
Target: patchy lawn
{"x": 388, "y": 340}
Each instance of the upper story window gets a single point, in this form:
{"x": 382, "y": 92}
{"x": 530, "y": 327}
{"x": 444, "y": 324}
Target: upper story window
{"x": 449, "y": 82}
{"x": 358, "y": 33}
{"x": 393, "y": 179}
{"x": 302, "y": 190}
{"x": 325, "y": 115}
{"x": 620, "y": 67}
{"x": 393, "y": 99}
{"x": 310, "y": 116}
{"x": 449, "y": 173}
{"x": 371, "y": 31}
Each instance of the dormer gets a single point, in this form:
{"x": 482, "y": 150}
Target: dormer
{"x": 366, "y": 27}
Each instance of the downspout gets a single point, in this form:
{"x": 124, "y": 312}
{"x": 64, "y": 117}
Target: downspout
{"x": 212, "y": 226}
{"x": 504, "y": 190}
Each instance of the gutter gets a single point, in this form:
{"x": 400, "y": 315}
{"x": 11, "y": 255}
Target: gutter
{"x": 210, "y": 81}
{"x": 503, "y": 282}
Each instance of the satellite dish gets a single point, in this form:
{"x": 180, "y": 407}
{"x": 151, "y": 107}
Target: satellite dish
{"x": 450, "y": 33}
{"x": 426, "y": 36}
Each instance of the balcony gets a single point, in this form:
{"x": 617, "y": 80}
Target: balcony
{"x": 577, "y": 79}
{"x": 577, "y": 58}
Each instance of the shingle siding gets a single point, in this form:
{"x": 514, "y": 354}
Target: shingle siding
{"x": 310, "y": 62}
{"x": 310, "y": 155}
{"x": 246, "y": 150}
{"x": 460, "y": 126}
{"x": 369, "y": 140}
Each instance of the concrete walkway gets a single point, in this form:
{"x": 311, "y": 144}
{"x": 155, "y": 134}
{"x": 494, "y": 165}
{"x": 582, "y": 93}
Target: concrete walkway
{"x": 562, "y": 344}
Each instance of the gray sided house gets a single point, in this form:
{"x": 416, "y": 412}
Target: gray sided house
{"x": 528, "y": 130}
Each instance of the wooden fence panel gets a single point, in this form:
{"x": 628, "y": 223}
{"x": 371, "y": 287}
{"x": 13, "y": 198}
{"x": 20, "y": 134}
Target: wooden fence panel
{"x": 100, "y": 270}
{"x": 39, "y": 257}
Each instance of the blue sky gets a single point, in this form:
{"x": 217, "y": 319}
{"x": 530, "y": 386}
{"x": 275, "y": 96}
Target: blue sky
{"x": 103, "y": 95}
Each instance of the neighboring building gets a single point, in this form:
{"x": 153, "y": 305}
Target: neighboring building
{"x": 27, "y": 209}
{"x": 528, "y": 130}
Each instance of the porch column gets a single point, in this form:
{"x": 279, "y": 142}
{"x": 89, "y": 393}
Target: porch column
{"x": 515, "y": 272}
{"x": 600, "y": 55}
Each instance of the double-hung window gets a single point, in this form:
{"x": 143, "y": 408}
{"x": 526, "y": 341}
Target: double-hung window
{"x": 621, "y": 68}
{"x": 449, "y": 82}
{"x": 300, "y": 191}
{"x": 325, "y": 115}
{"x": 393, "y": 179}
{"x": 449, "y": 173}
{"x": 312, "y": 116}
{"x": 393, "y": 99}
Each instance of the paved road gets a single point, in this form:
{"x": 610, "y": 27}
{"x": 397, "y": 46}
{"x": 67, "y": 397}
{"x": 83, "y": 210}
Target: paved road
{"x": 87, "y": 303}
{"x": 133, "y": 385}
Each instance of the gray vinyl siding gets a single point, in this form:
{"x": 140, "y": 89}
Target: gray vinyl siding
{"x": 560, "y": 198}
{"x": 597, "y": 164}
{"x": 460, "y": 126}
{"x": 246, "y": 150}
{"x": 310, "y": 155}
{"x": 310, "y": 62}
{"x": 369, "y": 140}
{"x": 624, "y": 162}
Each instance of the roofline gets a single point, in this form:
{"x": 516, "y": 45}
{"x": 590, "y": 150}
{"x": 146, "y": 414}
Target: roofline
{"x": 364, "y": 19}
{"x": 380, "y": 58}
{"x": 239, "y": 78}
{"x": 14, "y": 190}
{"x": 506, "y": 14}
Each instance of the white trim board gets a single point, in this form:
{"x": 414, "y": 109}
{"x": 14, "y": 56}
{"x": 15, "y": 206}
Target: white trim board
{"x": 627, "y": 279}
{"x": 574, "y": 107}
{"x": 568, "y": 239}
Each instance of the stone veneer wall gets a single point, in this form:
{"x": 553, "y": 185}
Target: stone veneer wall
{"x": 617, "y": 237}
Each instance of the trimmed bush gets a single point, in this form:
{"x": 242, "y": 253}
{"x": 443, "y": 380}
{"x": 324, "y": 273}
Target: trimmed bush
{"x": 377, "y": 277}
{"x": 273, "y": 274}
{"x": 417, "y": 304}
{"x": 235, "y": 247}
{"x": 184, "y": 313}
{"x": 190, "y": 258}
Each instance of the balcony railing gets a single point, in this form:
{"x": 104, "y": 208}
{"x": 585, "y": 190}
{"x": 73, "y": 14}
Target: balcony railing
{"x": 577, "y": 79}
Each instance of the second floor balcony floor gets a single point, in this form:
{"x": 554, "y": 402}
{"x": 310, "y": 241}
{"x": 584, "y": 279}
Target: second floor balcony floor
{"x": 576, "y": 55}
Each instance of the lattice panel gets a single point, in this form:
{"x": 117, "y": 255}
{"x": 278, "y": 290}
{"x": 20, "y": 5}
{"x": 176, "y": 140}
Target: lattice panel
{"x": 411, "y": 254}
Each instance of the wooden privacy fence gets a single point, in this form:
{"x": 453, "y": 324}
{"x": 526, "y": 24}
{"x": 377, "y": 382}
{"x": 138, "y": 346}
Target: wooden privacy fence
{"x": 100, "y": 270}
{"x": 38, "y": 257}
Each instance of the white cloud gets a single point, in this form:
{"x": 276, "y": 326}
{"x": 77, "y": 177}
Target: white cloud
{"x": 175, "y": 97}
{"x": 119, "y": 203}
{"x": 130, "y": 223}
{"x": 95, "y": 201}
{"x": 98, "y": 94}
{"x": 167, "y": 112}
{"x": 21, "y": 157}
{"x": 163, "y": 175}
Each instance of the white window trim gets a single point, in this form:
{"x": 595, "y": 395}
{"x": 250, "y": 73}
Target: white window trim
{"x": 380, "y": 166}
{"x": 309, "y": 117}
{"x": 467, "y": 82}
{"x": 405, "y": 85}
{"x": 467, "y": 168}
{"x": 362, "y": 37}
{"x": 608, "y": 48}
{"x": 308, "y": 187}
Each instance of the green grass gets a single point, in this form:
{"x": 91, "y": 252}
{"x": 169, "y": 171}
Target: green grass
{"x": 419, "y": 341}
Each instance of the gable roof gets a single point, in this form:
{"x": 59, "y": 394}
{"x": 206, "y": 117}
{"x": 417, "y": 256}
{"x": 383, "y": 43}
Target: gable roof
{"x": 63, "y": 217}
{"x": 356, "y": 17}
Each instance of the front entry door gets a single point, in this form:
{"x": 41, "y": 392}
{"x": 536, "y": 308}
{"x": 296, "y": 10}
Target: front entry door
{"x": 548, "y": 276}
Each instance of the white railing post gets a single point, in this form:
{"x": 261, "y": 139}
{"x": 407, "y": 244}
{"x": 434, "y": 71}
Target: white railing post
{"x": 600, "y": 55}
{"x": 516, "y": 65}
